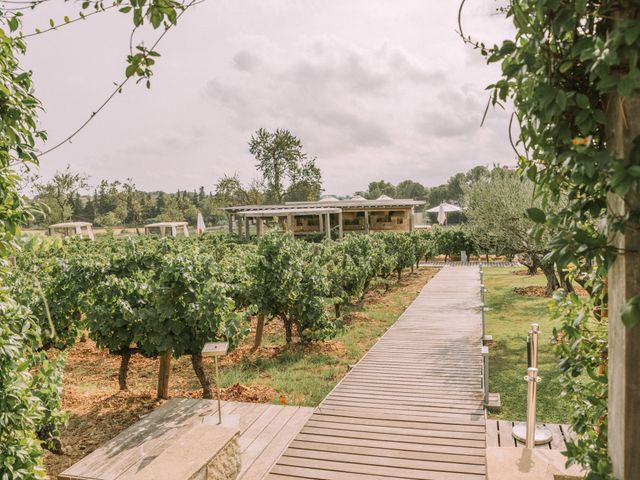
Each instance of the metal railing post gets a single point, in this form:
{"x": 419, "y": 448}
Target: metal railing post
{"x": 532, "y": 380}
{"x": 535, "y": 329}
{"x": 528, "y": 432}
{"x": 485, "y": 374}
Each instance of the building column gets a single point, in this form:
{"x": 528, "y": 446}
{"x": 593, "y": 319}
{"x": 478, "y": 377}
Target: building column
{"x": 340, "y": 232}
{"x": 290, "y": 224}
{"x": 239, "y": 225}
{"x": 321, "y": 229}
{"x": 259, "y": 226}
{"x": 327, "y": 226}
{"x": 366, "y": 222}
{"x": 247, "y": 224}
{"x": 412, "y": 219}
{"x": 230, "y": 219}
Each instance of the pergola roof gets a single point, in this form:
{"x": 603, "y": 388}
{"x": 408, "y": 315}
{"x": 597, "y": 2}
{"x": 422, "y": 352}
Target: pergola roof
{"x": 70, "y": 225}
{"x": 338, "y": 204}
{"x": 283, "y": 212}
{"x": 166, "y": 224}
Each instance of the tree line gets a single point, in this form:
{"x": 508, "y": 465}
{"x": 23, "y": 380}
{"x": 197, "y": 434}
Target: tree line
{"x": 285, "y": 173}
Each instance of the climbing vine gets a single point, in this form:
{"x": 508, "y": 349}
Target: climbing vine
{"x": 571, "y": 72}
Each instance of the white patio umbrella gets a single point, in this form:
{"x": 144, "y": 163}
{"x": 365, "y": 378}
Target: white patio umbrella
{"x": 442, "y": 216}
{"x": 200, "y": 226}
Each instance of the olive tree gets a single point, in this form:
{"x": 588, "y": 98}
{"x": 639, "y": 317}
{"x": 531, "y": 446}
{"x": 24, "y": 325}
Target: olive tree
{"x": 498, "y": 222}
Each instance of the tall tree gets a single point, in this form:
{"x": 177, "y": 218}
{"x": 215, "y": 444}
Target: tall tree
{"x": 380, "y": 187}
{"x": 411, "y": 189}
{"x": 59, "y": 195}
{"x": 285, "y": 168}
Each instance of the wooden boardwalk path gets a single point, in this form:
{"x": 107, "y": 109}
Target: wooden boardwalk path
{"x": 412, "y": 408}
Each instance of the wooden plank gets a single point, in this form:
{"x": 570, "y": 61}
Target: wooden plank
{"x": 395, "y": 430}
{"x": 272, "y": 446}
{"x": 433, "y": 439}
{"x": 374, "y": 458}
{"x": 362, "y": 468}
{"x": 557, "y": 441}
{"x": 402, "y": 444}
{"x": 492, "y": 434}
{"x": 382, "y": 450}
{"x": 506, "y": 436}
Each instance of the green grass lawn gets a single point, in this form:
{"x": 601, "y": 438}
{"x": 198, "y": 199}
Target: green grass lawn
{"x": 509, "y": 321}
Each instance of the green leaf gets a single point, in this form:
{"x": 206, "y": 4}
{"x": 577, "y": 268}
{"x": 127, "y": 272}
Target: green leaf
{"x": 131, "y": 70}
{"x": 536, "y": 215}
{"x": 582, "y": 100}
{"x": 125, "y": 9}
{"x": 630, "y": 314}
{"x": 566, "y": 66}
{"x": 635, "y": 171}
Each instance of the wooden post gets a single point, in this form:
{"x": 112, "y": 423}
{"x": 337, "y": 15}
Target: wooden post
{"x": 163, "y": 375}
{"x": 321, "y": 229}
{"x": 623, "y": 126}
{"x": 259, "y": 226}
{"x": 340, "y": 232}
{"x": 247, "y": 227}
{"x": 239, "y": 225}
{"x": 327, "y": 226}
{"x": 230, "y": 219}
{"x": 366, "y": 222}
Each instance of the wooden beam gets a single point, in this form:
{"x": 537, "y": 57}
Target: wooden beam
{"x": 623, "y": 126}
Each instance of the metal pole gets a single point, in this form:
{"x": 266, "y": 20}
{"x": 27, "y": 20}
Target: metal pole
{"x": 535, "y": 329}
{"x": 215, "y": 359}
{"x": 532, "y": 381}
{"x": 485, "y": 373}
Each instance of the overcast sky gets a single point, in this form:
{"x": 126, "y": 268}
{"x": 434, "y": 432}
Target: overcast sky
{"x": 376, "y": 89}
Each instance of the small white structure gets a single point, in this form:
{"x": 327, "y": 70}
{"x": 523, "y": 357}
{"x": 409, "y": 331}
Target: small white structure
{"x": 71, "y": 229}
{"x": 167, "y": 228}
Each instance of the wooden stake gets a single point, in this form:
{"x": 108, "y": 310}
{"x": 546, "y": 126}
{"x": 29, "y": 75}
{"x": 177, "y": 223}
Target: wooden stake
{"x": 163, "y": 375}
{"x": 259, "y": 331}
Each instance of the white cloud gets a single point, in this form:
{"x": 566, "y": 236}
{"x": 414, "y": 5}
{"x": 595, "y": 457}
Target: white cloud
{"x": 382, "y": 88}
